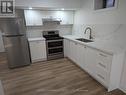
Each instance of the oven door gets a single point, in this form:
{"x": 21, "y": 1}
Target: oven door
{"x": 54, "y": 43}
{"x": 55, "y": 51}
{"x": 55, "y": 46}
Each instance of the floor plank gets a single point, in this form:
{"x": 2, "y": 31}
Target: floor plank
{"x": 56, "y": 77}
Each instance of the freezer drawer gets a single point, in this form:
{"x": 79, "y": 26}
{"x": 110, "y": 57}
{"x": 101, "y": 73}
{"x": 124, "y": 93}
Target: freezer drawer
{"x": 17, "y": 51}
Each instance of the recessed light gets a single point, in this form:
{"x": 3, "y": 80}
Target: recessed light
{"x": 30, "y": 8}
{"x": 62, "y": 9}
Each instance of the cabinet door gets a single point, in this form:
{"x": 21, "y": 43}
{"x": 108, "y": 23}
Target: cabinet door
{"x": 38, "y": 50}
{"x": 73, "y": 51}
{"x": 33, "y": 18}
{"x": 77, "y": 53}
{"x": 67, "y": 17}
{"x": 80, "y": 55}
{"x": 66, "y": 47}
{"x": 90, "y": 61}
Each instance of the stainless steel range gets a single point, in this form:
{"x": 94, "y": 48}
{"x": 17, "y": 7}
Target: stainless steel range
{"x": 54, "y": 44}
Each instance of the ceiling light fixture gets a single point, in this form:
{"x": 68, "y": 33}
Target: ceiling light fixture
{"x": 62, "y": 9}
{"x": 30, "y": 8}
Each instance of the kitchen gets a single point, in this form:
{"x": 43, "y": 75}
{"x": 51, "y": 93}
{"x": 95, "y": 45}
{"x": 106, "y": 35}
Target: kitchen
{"x": 73, "y": 48}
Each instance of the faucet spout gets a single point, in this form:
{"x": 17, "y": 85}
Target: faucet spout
{"x": 88, "y": 28}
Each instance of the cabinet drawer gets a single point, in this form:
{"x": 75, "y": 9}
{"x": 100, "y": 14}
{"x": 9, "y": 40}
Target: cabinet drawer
{"x": 102, "y": 76}
{"x": 104, "y": 65}
{"x": 104, "y": 61}
{"x": 36, "y": 42}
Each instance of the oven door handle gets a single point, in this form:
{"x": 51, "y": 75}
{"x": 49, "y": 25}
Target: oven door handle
{"x": 54, "y": 40}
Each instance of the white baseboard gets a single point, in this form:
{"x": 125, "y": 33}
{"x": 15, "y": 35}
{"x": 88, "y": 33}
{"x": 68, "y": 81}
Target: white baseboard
{"x": 122, "y": 90}
{"x": 39, "y": 60}
{"x": 1, "y": 89}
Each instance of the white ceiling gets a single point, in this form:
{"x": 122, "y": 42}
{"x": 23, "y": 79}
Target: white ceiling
{"x": 49, "y": 4}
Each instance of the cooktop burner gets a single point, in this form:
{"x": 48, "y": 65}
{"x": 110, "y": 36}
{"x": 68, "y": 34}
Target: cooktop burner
{"x": 51, "y": 35}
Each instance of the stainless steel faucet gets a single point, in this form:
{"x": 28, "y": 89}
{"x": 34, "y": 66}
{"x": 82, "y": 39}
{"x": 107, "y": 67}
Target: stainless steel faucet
{"x": 88, "y": 28}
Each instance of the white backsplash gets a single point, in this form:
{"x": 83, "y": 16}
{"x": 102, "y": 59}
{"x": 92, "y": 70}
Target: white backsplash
{"x": 36, "y": 31}
{"x": 113, "y": 34}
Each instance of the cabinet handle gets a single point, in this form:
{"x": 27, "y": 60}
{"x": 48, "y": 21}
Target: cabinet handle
{"x": 102, "y": 65}
{"x": 101, "y": 76}
{"x": 103, "y": 55}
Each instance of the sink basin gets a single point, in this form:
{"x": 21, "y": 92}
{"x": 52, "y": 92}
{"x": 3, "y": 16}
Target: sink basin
{"x": 84, "y": 40}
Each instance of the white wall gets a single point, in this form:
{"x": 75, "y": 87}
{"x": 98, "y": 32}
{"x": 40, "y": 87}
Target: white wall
{"x": 68, "y": 4}
{"x": 103, "y": 22}
{"x": 36, "y": 31}
{"x": 107, "y": 25}
{"x": 1, "y": 43}
{"x": 87, "y": 14}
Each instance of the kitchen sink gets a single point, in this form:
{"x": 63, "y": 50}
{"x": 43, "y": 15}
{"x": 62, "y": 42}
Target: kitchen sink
{"x": 84, "y": 40}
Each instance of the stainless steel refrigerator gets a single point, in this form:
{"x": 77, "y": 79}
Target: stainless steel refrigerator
{"x": 15, "y": 42}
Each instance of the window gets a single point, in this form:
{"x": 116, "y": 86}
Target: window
{"x": 103, "y": 4}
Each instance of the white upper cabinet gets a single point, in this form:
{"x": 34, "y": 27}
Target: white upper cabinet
{"x": 67, "y": 17}
{"x": 34, "y": 17}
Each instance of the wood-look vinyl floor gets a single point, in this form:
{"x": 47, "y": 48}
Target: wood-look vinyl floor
{"x": 56, "y": 77}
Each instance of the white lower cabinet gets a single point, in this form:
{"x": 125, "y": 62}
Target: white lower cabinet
{"x": 103, "y": 67}
{"x": 98, "y": 65}
{"x": 102, "y": 76}
{"x": 73, "y": 51}
{"x": 66, "y": 47}
{"x": 77, "y": 53}
{"x": 90, "y": 61}
{"x": 93, "y": 61}
{"x": 81, "y": 51}
{"x": 38, "y": 50}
